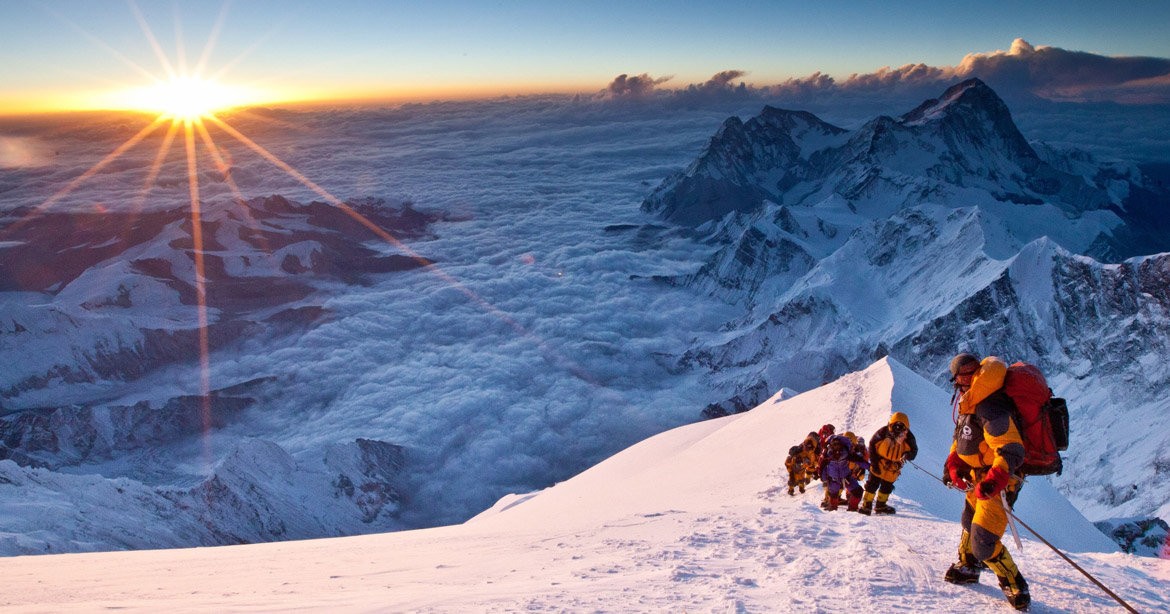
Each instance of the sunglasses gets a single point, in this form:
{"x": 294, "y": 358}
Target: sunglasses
{"x": 964, "y": 373}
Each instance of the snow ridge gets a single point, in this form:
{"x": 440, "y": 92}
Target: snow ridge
{"x": 692, "y": 519}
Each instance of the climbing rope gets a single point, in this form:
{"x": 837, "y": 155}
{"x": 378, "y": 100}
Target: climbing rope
{"x": 1012, "y": 515}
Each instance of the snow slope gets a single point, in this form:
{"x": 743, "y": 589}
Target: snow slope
{"x": 689, "y": 520}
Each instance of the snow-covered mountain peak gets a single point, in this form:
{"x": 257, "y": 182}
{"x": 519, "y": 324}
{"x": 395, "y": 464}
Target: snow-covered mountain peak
{"x": 962, "y": 149}
{"x": 972, "y": 97}
{"x": 801, "y": 125}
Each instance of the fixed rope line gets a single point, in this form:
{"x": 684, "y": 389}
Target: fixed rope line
{"x": 1073, "y": 563}
{"x": 1064, "y": 556}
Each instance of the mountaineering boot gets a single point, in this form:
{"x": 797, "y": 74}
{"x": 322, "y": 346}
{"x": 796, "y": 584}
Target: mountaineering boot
{"x": 790, "y": 492}
{"x": 1011, "y": 581}
{"x": 801, "y": 489}
{"x": 966, "y": 571}
{"x": 865, "y": 508}
{"x": 834, "y": 501}
{"x": 852, "y": 502}
{"x": 1016, "y": 592}
{"x": 961, "y": 573}
{"x": 958, "y": 573}
{"x": 882, "y": 508}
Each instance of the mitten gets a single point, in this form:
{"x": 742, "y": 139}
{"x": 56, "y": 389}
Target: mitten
{"x": 955, "y": 472}
{"x": 993, "y": 483}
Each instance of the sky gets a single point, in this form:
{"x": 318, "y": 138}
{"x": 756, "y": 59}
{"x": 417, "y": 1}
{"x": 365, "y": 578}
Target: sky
{"x": 69, "y": 54}
{"x": 695, "y": 519}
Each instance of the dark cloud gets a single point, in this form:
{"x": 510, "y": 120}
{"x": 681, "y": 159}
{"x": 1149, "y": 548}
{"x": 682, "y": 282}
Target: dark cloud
{"x": 1058, "y": 74}
{"x": 1022, "y": 72}
{"x": 724, "y": 79}
{"x": 1097, "y": 99}
{"x": 719, "y": 88}
{"x": 639, "y": 86}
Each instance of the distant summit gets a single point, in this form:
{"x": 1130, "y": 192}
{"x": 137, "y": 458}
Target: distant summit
{"x": 731, "y": 175}
{"x": 960, "y": 149}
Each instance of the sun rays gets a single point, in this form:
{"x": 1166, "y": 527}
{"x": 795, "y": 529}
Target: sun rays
{"x": 189, "y": 122}
{"x": 186, "y": 104}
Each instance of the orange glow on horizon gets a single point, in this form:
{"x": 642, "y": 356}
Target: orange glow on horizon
{"x": 180, "y": 97}
{"x": 431, "y": 92}
{"x": 168, "y": 99}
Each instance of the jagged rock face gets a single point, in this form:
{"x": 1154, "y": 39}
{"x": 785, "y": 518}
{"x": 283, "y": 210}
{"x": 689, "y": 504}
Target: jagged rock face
{"x": 1147, "y": 536}
{"x": 63, "y": 436}
{"x": 744, "y": 164}
{"x": 768, "y": 254}
{"x": 971, "y": 117}
{"x": 370, "y": 477}
{"x": 258, "y": 492}
{"x": 102, "y": 299}
{"x": 1133, "y": 297}
{"x": 122, "y": 295}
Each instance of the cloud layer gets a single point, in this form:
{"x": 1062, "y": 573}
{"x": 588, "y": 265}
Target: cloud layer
{"x": 1048, "y": 73}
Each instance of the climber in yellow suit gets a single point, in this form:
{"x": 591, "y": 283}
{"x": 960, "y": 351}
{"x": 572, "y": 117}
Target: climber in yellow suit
{"x": 986, "y": 452}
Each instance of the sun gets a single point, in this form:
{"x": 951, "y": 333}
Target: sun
{"x": 183, "y": 98}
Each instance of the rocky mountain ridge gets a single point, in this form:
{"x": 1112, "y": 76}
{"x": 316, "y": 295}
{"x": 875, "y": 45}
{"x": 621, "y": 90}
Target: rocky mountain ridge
{"x": 960, "y": 148}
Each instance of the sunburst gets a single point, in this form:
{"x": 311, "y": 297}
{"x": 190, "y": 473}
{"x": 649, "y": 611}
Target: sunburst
{"x": 184, "y": 102}
{"x": 189, "y": 103}
{"x": 183, "y": 98}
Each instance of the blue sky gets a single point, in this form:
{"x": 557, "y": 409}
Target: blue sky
{"x": 58, "y": 52}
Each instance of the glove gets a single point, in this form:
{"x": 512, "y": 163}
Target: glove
{"x": 993, "y": 483}
{"x": 955, "y": 472}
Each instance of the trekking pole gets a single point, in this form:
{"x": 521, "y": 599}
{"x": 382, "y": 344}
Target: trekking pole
{"x": 1012, "y": 515}
{"x": 1011, "y": 520}
{"x": 1088, "y": 575}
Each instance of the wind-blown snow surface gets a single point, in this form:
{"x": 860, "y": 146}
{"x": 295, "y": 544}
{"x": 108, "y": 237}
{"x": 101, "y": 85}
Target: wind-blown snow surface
{"x": 693, "y": 519}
